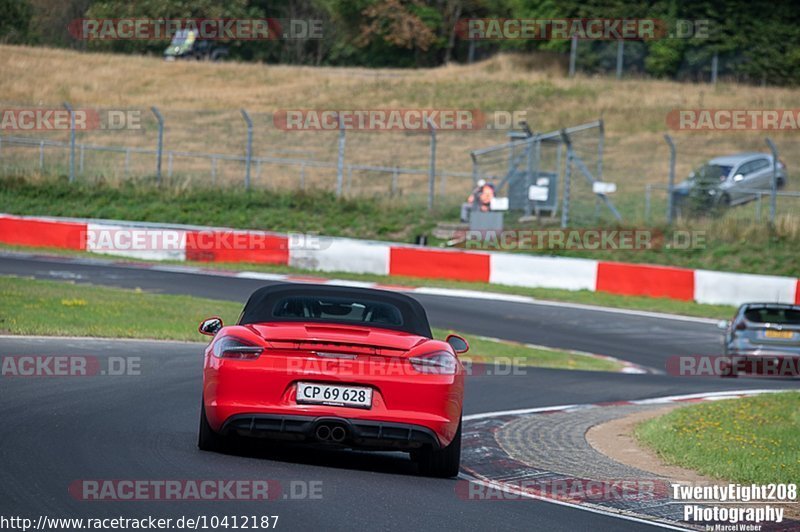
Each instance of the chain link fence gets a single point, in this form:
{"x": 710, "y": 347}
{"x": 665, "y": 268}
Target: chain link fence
{"x": 234, "y": 148}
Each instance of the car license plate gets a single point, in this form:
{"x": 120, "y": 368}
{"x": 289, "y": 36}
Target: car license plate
{"x": 334, "y": 395}
{"x": 783, "y": 335}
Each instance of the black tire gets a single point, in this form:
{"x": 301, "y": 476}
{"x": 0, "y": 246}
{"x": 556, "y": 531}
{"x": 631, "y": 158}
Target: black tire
{"x": 724, "y": 201}
{"x": 441, "y": 463}
{"x": 781, "y": 182}
{"x": 207, "y": 438}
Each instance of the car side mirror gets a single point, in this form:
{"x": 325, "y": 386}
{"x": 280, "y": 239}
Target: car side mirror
{"x": 210, "y": 326}
{"x": 738, "y": 177}
{"x": 723, "y": 325}
{"x": 458, "y": 344}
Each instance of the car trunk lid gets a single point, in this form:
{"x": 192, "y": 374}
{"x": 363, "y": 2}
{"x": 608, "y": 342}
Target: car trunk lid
{"x": 334, "y": 338}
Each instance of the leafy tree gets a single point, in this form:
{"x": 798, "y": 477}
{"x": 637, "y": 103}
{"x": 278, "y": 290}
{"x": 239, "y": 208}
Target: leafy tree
{"x": 16, "y": 20}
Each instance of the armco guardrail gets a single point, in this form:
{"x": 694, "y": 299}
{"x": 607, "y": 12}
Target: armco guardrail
{"x": 213, "y": 244}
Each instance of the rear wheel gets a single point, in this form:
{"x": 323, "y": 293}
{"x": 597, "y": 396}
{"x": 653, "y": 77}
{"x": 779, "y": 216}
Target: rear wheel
{"x": 207, "y": 438}
{"x": 442, "y": 463}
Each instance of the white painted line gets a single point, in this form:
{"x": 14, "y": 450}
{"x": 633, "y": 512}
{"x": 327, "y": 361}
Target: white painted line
{"x": 254, "y": 275}
{"x": 707, "y": 395}
{"x": 521, "y": 411}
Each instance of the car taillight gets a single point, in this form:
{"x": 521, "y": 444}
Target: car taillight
{"x": 439, "y": 363}
{"x": 235, "y": 348}
{"x": 740, "y": 326}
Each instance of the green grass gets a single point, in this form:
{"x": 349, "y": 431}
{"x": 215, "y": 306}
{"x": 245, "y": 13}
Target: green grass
{"x": 584, "y": 297}
{"x": 55, "y": 308}
{"x": 749, "y": 440}
{"x": 278, "y": 210}
{"x": 511, "y": 354}
{"x": 729, "y": 244}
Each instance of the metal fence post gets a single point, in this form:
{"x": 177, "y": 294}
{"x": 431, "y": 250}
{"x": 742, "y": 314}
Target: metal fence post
{"x": 160, "y": 146}
{"x": 248, "y": 149}
{"x": 567, "y": 179}
{"x": 601, "y": 138}
{"x": 340, "y": 161}
{"x": 41, "y": 156}
{"x": 620, "y": 56}
{"x": 432, "y": 168}
{"x": 773, "y": 200}
{"x": 714, "y": 67}
{"x": 69, "y": 108}
{"x": 671, "y": 185}
{"x": 601, "y": 145}
{"x": 573, "y": 55}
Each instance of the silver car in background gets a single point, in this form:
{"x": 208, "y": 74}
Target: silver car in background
{"x": 763, "y": 336}
{"x": 729, "y": 180}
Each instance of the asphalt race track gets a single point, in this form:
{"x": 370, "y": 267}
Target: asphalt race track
{"x": 57, "y": 430}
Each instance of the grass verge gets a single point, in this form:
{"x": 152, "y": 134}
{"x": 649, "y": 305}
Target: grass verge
{"x": 584, "y": 297}
{"x": 723, "y": 244}
{"x": 749, "y": 440}
{"x": 55, "y": 308}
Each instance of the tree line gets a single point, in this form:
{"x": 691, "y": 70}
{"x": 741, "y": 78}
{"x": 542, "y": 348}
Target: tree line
{"x": 754, "y": 41}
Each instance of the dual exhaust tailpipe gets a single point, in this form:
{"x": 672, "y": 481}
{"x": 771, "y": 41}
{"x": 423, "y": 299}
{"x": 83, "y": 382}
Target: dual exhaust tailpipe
{"x": 334, "y": 433}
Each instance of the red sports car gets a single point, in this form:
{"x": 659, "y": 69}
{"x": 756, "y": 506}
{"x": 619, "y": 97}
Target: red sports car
{"x": 336, "y": 366}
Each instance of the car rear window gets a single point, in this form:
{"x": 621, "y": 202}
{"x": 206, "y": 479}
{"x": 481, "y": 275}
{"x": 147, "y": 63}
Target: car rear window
{"x": 338, "y": 310}
{"x": 778, "y": 316}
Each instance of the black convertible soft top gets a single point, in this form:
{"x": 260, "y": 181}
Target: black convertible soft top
{"x": 307, "y": 302}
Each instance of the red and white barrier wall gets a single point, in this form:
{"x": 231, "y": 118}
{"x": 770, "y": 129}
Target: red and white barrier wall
{"x": 174, "y": 242}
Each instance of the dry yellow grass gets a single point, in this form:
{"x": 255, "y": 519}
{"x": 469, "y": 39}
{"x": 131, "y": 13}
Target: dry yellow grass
{"x": 201, "y": 102}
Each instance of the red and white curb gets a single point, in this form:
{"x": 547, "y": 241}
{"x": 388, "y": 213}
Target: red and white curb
{"x": 214, "y": 244}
